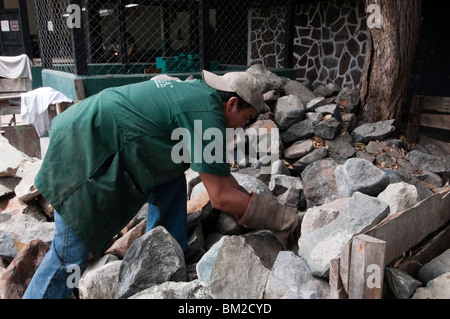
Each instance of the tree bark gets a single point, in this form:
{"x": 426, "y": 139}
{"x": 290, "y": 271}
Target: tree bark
{"x": 390, "y": 55}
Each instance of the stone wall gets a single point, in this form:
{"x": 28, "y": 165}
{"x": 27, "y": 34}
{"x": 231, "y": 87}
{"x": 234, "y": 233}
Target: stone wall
{"x": 329, "y": 43}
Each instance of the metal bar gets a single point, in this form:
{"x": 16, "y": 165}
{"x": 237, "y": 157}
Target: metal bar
{"x": 78, "y": 46}
{"x": 122, "y": 30}
{"x": 25, "y": 28}
{"x": 203, "y": 7}
{"x": 41, "y": 9}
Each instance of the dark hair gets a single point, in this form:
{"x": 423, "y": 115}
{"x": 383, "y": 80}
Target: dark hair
{"x": 226, "y": 96}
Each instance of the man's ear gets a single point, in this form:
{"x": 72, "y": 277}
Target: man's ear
{"x": 234, "y": 101}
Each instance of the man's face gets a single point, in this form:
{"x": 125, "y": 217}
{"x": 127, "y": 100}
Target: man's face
{"x": 234, "y": 117}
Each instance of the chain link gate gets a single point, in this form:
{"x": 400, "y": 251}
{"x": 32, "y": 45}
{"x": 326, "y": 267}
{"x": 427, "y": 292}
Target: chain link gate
{"x": 142, "y": 36}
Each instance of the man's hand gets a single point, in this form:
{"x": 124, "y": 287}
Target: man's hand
{"x": 264, "y": 212}
{"x": 225, "y": 195}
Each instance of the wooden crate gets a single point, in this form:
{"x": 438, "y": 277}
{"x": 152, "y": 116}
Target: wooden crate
{"x": 429, "y": 112}
{"x": 358, "y": 273}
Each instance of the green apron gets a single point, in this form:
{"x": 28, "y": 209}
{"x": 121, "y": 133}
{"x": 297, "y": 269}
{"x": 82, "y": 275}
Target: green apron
{"x": 107, "y": 152}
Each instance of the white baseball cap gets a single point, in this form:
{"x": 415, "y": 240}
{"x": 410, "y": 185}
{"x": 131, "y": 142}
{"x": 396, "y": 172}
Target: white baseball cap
{"x": 243, "y": 83}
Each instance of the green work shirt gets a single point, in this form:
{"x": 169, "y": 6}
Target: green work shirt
{"x": 126, "y": 131}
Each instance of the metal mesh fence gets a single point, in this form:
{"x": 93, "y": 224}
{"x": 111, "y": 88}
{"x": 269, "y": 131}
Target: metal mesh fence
{"x": 141, "y": 36}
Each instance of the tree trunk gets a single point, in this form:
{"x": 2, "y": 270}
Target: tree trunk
{"x": 390, "y": 55}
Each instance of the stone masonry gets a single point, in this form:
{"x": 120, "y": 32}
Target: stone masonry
{"x": 329, "y": 43}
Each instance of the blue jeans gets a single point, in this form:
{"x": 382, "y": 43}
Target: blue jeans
{"x": 167, "y": 207}
{"x": 62, "y": 267}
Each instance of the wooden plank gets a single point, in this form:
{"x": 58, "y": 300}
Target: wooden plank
{"x": 427, "y": 252}
{"x": 366, "y": 268}
{"x": 404, "y": 230}
{"x": 344, "y": 264}
{"x": 440, "y": 121}
{"x": 436, "y": 103}
{"x": 337, "y": 290}
{"x": 423, "y": 140}
{"x": 79, "y": 89}
{"x": 412, "y": 130}
{"x": 62, "y": 106}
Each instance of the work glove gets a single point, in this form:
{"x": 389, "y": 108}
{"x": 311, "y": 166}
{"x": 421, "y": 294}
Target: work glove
{"x": 265, "y": 212}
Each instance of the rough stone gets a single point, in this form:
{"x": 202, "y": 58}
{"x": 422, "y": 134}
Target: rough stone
{"x": 296, "y": 88}
{"x": 327, "y": 129}
{"x": 373, "y": 131}
{"x": 421, "y": 161}
{"x": 289, "y": 110}
{"x": 265, "y": 245}
{"x": 7, "y": 185}
{"x": 26, "y": 228}
{"x": 341, "y": 145}
{"x": 359, "y": 175}
{"x": 436, "y": 267}
{"x": 26, "y": 190}
{"x": 290, "y": 278}
{"x": 9, "y": 247}
{"x": 298, "y": 150}
{"x": 348, "y": 99}
{"x": 266, "y": 79}
{"x": 402, "y": 285}
{"x": 227, "y": 279}
{"x": 315, "y": 103}
{"x": 316, "y": 155}
{"x": 120, "y": 247}
{"x": 320, "y": 216}
{"x": 100, "y": 283}
{"x": 319, "y": 181}
{"x": 399, "y": 197}
{"x": 319, "y": 246}
{"x": 17, "y": 276}
{"x": 151, "y": 259}
{"x": 302, "y": 130}
{"x": 175, "y": 290}
{"x": 438, "y": 288}
{"x": 10, "y": 158}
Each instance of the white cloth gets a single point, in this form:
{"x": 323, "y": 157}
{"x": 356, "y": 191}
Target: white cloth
{"x": 15, "y": 67}
{"x": 34, "y": 107}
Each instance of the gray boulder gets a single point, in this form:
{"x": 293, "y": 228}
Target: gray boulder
{"x": 100, "y": 283}
{"x": 401, "y": 283}
{"x": 152, "y": 259}
{"x": 302, "y": 130}
{"x": 360, "y": 175}
{"x": 319, "y": 181}
{"x": 438, "y": 288}
{"x": 373, "y": 131}
{"x": 289, "y": 110}
{"x": 427, "y": 162}
{"x": 321, "y": 245}
{"x": 399, "y": 197}
{"x": 296, "y": 88}
{"x": 316, "y": 155}
{"x": 228, "y": 279}
{"x": 299, "y": 149}
{"x": 328, "y": 129}
{"x": 266, "y": 79}
{"x": 290, "y": 278}
{"x": 26, "y": 228}
{"x": 174, "y": 290}
{"x": 348, "y": 99}
{"x": 438, "y": 266}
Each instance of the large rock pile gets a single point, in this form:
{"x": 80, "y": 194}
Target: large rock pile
{"x": 343, "y": 177}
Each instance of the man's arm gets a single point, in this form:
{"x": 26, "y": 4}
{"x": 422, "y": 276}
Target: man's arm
{"x": 224, "y": 194}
